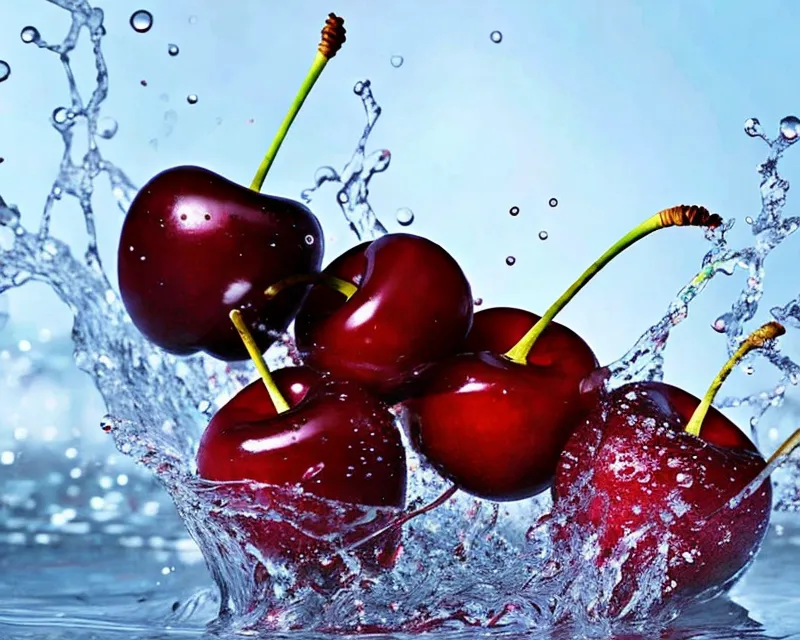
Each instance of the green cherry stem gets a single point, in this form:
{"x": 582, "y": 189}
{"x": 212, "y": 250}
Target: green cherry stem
{"x": 333, "y": 37}
{"x": 347, "y": 289}
{"x": 680, "y": 216}
{"x": 756, "y": 340}
{"x": 261, "y": 366}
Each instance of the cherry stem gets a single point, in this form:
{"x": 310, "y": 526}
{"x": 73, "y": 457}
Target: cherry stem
{"x": 682, "y": 215}
{"x": 756, "y": 340}
{"x": 347, "y": 289}
{"x": 333, "y": 37}
{"x": 261, "y": 366}
{"x": 790, "y": 444}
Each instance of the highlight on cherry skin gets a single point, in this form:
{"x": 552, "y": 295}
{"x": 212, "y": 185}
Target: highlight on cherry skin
{"x": 385, "y": 311}
{"x": 195, "y": 245}
{"x": 653, "y": 461}
{"x": 332, "y": 442}
{"x": 494, "y": 418}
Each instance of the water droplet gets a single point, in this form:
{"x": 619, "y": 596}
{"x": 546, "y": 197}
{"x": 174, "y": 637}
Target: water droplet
{"x": 141, "y": 21}
{"x": 719, "y": 325}
{"x": 405, "y": 216}
{"x": 511, "y": 261}
{"x": 192, "y": 19}
{"x": 29, "y": 34}
{"x": 543, "y": 235}
{"x": 496, "y": 36}
{"x": 514, "y": 211}
{"x": 749, "y": 220}
{"x": 60, "y": 115}
{"x": 342, "y": 197}
{"x": 397, "y": 61}
{"x": 5, "y": 70}
{"x": 752, "y": 127}
{"x": 309, "y": 239}
{"x": 358, "y": 88}
{"x": 173, "y": 50}
{"x": 107, "y": 128}
{"x": 477, "y": 302}
{"x": 553, "y": 202}
{"x": 191, "y": 98}
{"x": 790, "y": 127}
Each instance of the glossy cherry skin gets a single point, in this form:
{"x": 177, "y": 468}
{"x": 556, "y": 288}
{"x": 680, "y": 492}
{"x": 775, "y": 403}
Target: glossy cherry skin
{"x": 337, "y": 444}
{"x": 631, "y": 465}
{"x": 195, "y": 245}
{"x": 413, "y": 307}
{"x": 494, "y": 427}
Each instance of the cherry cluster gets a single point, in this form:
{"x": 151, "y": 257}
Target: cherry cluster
{"x": 503, "y": 403}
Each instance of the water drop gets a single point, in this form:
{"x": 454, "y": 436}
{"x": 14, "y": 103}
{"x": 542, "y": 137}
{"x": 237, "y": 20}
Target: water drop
{"x": 790, "y": 128}
{"x": 60, "y": 115}
{"x": 173, "y": 50}
{"x": 496, "y": 37}
{"x": 752, "y": 127}
{"x": 511, "y": 261}
{"x": 358, "y": 88}
{"x": 719, "y": 325}
{"x": 5, "y": 70}
{"x": 29, "y": 34}
{"x": 543, "y": 235}
{"x": 342, "y": 197}
{"x": 749, "y": 220}
{"x": 309, "y": 239}
{"x": 405, "y": 216}
{"x": 514, "y": 211}
{"x": 397, "y": 61}
{"x": 191, "y": 98}
{"x": 141, "y": 21}
{"x": 107, "y": 128}
{"x": 477, "y": 302}
{"x": 192, "y": 19}
{"x": 553, "y": 202}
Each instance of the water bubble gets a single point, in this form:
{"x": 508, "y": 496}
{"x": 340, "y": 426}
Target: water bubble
{"x": 29, "y": 34}
{"x": 514, "y": 211}
{"x": 397, "y": 61}
{"x": 141, "y": 21}
{"x": 752, "y": 127}
{"x": 553, "y": 202}
{"x": 790, "y": 127}
{"x": 496, "y": 37}
{"x": 60, "y": 115}
{"x": 543, "y": 235}
{"x": 173, "y": 50}
{"x": 107, "y": 127}
{"x": 405, "y": 216}
{"x": 511, "y": 261}
{"x": 5, "y": 70}
{"x": 191, "y": 98}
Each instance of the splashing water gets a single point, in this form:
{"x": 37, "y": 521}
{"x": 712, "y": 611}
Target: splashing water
{"x": 453, "y": 563}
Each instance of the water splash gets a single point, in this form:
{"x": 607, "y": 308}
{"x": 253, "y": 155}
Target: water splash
{"x": 454, "y": 566}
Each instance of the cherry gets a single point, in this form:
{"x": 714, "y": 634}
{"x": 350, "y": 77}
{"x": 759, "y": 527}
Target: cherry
{"x": 406, "y": 304}
{"x": 655, "y": 462}
{"x": 495, "y": 418}
{"x": 195, "y": 245}
{"x": 320, "y": 455}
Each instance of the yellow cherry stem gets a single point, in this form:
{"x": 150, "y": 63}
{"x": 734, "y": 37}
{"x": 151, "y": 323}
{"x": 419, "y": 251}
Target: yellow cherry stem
{"x": 756, "y": 340}
{"x": 261, "y": 366}
{"x": 333, "y": 37}
{"x": 680, "y": 216}
{"x": 347, "y": 289}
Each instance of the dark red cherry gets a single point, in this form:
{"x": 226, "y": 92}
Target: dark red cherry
{"x": 195, "y": 245}
{"x": 412, "y": 307}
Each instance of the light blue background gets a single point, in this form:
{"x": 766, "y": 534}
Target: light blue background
{"x": 616, "y": 108}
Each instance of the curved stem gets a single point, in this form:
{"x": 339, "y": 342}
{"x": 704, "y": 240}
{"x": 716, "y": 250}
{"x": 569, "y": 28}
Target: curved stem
{"x": 756, "y": 340}
{"x": 347, "y": 289}
{"x": 261, "y": 366}
{"x": 676, "y": 216}
{"x": 333, "y": 37}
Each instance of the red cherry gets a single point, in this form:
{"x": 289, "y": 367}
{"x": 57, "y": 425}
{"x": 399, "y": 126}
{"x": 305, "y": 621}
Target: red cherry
{"x": 495, "y": 427}
{"x": 494, "y": 421}
{"x": 656, "y": 462}
{"x": 412, "y": 307}
{"x": 195, "y": 245}
{"x": 323, "y": 466}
